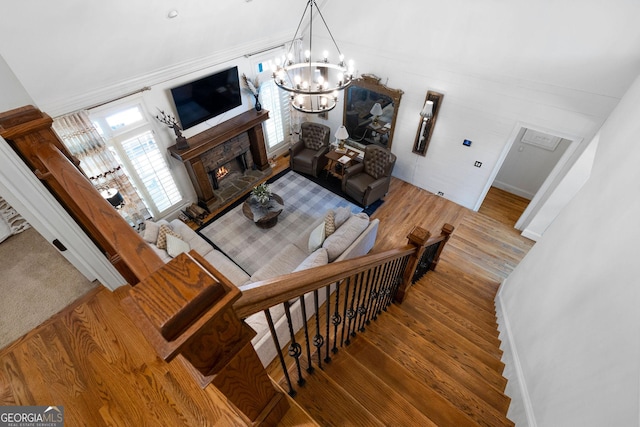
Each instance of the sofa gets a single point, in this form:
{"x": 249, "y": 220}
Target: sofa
{"x": 337, "y": 236}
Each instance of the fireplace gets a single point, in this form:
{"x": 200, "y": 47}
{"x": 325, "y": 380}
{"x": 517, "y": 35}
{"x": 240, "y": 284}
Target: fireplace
{"x": 229, "y": 171}
{"x": 208, "y": 151}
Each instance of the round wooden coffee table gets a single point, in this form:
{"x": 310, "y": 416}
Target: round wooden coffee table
{"x": 267, "y": 221}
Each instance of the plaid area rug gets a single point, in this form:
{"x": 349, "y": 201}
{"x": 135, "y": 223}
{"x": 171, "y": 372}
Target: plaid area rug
{"x": 249, "y": 246}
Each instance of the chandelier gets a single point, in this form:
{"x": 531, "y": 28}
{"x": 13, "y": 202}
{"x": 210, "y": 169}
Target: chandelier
{"x": 313, "y": 82}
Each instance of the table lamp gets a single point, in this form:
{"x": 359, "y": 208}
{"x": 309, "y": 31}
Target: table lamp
{"x": 341, "y": 135}
{"x": 376, "y": 111}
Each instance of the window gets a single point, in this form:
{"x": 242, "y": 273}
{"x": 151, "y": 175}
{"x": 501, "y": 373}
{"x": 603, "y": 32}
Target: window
{"x": 131, "y": 139}
{"x": 276, "y": 101}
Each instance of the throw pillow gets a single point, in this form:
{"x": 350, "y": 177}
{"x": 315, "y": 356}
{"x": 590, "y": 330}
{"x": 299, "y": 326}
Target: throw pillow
{"x": 316, "y": 259}
{"x": 342, "y": 214}
{"x": 329, "y": 223}
{"x": 151, "y": 230}
{"x": 339, "y": 241}
{"x": 316, "y": 238}
{"x": 176, "y": 246}
{"x": 161, "y": 243}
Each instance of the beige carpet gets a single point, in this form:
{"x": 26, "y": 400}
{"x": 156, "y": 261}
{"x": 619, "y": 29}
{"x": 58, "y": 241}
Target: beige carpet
{"x": 36, "y": 282}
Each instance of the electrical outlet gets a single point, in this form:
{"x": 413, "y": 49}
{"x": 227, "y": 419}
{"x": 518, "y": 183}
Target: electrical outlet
{"x": 440, "y": 193}
{"x": 477, "y": 164}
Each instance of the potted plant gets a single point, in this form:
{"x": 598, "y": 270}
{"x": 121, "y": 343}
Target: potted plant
{"x": 262, "y": 194}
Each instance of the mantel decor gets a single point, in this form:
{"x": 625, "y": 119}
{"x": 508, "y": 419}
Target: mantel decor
{"x": 428, "y": 117}
{"x": 169, "y": 120}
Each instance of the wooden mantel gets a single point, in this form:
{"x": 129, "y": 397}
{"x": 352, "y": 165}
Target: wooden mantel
{"x": 249, "y": 122}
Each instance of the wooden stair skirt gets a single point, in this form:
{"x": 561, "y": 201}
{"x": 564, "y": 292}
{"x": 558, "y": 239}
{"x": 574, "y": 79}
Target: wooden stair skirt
{"x": 420, "y": 363}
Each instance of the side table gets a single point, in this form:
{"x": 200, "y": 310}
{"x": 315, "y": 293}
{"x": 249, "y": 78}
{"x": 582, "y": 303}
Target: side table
{"x": 267, "y": 221}
{"x": 334, "y": 166}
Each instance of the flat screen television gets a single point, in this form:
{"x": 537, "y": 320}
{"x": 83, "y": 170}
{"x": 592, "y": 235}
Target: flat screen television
{"x": 207, "y": 97}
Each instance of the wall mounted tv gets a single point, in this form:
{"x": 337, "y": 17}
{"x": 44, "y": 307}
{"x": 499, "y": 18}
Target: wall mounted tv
{"x": 207, "y": 97}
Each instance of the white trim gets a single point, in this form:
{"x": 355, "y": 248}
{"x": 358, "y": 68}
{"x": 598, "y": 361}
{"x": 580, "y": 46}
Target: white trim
{"x": 513, "y": 190}
{"x": 80, "y": 101}
{"x": 34, "y": 202}
{"x": 509, "y": 343}
{"x": 531, "y": 235}
{"x": 525, "y": 218}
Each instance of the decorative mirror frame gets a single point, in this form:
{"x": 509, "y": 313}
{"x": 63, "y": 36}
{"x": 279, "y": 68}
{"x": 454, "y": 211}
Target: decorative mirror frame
{"x": 425, "y": 127}
{"x": 372, "y": 83}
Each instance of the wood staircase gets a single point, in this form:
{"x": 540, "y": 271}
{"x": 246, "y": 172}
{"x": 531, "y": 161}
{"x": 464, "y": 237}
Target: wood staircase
{"x": 434, "y": 360}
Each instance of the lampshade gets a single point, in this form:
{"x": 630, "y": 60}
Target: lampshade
{"x": 427, "y": 110}
{"x": 342, "y": 133}
{"x": 376, "y": 110}
{"x": 113, "y": 196}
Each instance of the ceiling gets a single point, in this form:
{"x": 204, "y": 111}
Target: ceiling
{"x": 70, "y": 46}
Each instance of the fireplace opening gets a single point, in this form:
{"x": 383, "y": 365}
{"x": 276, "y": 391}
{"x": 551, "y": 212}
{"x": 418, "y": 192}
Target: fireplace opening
{"x": 234, "y": 168}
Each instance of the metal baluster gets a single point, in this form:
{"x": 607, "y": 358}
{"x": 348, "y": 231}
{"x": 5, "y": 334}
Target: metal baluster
{"x": 272, "y": 328}
{"x": 391, "y": 284}
{"x": 327, "y": 358}
{"x": 350, "y": 313}
{"x": 362, "y": 306}
{"x": 400, "y": 278}
{"x": 373, "y": 293}
{"x": 318, "y": 340}
{"x": 381, "y": 287}
{"x": 295, "y": 349}
{"x": 336, "y": 319}
{"x": 354, "y": 304}
{"x": 306, "y": 333}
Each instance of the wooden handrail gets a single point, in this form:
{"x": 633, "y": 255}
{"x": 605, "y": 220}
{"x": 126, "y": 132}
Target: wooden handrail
{"x": 259, "y": 296}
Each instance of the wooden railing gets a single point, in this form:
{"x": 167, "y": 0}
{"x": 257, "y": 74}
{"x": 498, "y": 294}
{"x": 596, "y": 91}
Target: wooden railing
{"x": 353, "y": 293}
{"x": 188, "y": 310}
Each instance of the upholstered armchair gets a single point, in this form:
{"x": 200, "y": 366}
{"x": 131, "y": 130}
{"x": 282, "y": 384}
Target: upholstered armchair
{"x": 369, "y": 181}
{"x": 308, "y": 154}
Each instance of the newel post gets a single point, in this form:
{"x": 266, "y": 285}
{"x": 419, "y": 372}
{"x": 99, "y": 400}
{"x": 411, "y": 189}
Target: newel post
{"x": 185, "y": 310}
{"x": 418, "y": 237}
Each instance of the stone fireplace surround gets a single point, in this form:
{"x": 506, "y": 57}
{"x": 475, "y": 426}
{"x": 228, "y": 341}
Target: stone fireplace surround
{"x": 237, "y": 144}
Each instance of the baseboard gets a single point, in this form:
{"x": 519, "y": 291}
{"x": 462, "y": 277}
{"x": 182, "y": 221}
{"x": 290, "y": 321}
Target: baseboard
{"x": 531, "y": 235}
{"x": 513, "y": 190}
{"x": 520, "y": 395}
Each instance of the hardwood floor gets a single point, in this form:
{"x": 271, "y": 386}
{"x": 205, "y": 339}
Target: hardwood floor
{"x": 92, "y": 360}
{"x": 503, "y": 206}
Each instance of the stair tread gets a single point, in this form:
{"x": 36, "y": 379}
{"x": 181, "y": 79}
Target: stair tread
{"x": 397, "y": 339}
{"x": 418, "y": 383}
{"x": 445, "y": 338}
{"x": 458, "y": 305}
{"x": 326, "y": 402}
{"x": 480, "y": 290}
{"x": 385, "y": 401}
{"x": 418, "y": 307}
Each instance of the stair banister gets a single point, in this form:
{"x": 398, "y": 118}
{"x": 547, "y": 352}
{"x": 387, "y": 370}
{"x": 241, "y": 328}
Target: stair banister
{"x": 258, "y": 296}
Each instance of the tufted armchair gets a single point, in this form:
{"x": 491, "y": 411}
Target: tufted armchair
{"x": 369, "y": 181}
{"x": 308, "y": 154}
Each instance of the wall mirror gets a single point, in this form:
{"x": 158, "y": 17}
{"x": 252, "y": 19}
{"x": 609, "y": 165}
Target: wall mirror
{"x": 370, "y": 111}
{"x": 427, "y": 123}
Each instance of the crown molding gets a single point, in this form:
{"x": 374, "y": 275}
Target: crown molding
{"x": 79, "y": 101}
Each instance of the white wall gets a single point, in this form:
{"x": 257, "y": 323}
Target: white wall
{"x": 527, "y": 166}
{"x": 25, "y": 193}
{"x": 554, "y": 65}
{"x": 14, "y": 95}
{"x": 572, "y": 303}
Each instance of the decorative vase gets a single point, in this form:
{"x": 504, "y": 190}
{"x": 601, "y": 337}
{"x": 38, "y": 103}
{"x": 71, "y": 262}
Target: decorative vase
{"x": 181, "y": 141}
{"x": 258, "y": 105}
